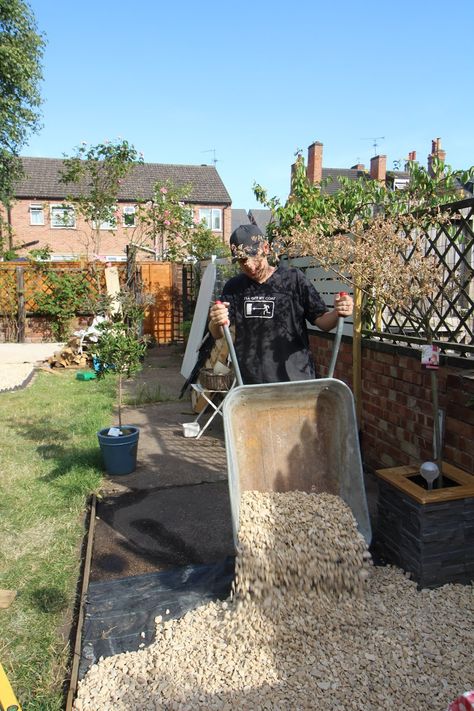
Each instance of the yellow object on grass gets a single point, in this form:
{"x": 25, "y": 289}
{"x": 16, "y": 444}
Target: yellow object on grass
{"x": 8, "y": 700}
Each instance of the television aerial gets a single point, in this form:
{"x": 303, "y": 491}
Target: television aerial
{"x": 374, "y": 139}
{"x": 213, "y": 151}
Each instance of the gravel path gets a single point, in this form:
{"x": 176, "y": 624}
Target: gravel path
{"x": 18, "y": 362}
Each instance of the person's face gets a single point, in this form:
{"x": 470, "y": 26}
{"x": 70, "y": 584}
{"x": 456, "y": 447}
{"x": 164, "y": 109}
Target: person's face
{"x": 255, "y": 267}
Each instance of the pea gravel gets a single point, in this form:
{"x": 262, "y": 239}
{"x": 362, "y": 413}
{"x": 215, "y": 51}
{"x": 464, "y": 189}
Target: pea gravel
{"x": 311, "y": 625}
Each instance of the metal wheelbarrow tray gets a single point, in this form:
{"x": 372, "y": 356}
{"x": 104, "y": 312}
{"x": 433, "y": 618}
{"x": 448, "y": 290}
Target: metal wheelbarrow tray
{"x": 295, "y": 436}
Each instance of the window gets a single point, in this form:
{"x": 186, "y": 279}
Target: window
{"x": 63, "y": 258}
{"x": 212, "y": 217}
{"x": 105, "y": 224}
{"x": 129, "y": 216}
{"x": 36, "y": 215}
{"x": 62, "y": 216}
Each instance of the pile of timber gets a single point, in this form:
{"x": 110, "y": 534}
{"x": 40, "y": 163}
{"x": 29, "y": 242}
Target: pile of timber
{"x": 71, "y": 356}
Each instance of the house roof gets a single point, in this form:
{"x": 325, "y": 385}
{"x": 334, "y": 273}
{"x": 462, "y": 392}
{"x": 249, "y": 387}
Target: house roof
{"x": 261, "y": 218}
{"x": 239, "y": 217}
{"x": 41, "y": 180}
{"x": 335, "y": 173}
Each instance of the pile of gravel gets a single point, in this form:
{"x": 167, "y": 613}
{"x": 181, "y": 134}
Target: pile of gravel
{"x": 311, "y": 625}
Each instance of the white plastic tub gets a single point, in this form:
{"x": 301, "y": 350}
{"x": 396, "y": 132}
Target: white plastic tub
{"x": 191, "y": 429}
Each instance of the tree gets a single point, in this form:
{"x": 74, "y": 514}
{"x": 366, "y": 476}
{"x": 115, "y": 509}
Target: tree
{"x": 358, "y": 199}
{"x": 165, "y": 225}
{"x": 21, "y": 52}
{"x": 375, "y": 240}
{"x": 97, "y": 173}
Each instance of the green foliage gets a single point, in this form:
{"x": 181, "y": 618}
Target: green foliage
{"x": 65, "y": 295}
{"x": 359, "y": 199}
{"x": 41, "y": 254}
{"x": 165, "y": 221}
{"x": 21, "y": 52}
{"x": 97, "y": 172}
{"x": 166, "y": 225}
{"x": 10, "y": 255}
{"x": 203, "y": 243}
{"x": 118, "y": 350}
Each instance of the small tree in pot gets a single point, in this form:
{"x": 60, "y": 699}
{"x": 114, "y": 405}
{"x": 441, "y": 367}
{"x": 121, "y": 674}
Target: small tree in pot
{"x": 120, "y": 350}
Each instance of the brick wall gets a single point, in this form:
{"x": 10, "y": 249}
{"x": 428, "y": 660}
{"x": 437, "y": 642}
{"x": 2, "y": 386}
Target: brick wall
{"x": 397, "y": 425}
{"x": 79, "y": 241}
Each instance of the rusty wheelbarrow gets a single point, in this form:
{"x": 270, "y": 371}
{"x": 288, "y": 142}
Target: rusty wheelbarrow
{"x": 299, "y": 435}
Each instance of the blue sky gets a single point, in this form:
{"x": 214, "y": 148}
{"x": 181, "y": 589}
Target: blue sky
{"x": 257, "y": 81}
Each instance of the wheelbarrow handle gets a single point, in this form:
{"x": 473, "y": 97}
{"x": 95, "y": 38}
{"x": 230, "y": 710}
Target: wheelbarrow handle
{"x": 233, "y": 354}
{"x": 337, "y": 341}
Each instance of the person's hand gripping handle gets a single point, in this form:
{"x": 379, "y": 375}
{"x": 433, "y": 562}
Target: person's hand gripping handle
{"x": 233, "y": 354}
{"x": 337, "y": 341}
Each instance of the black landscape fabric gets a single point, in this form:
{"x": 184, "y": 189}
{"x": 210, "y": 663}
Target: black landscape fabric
{"x": 120, "y": 614}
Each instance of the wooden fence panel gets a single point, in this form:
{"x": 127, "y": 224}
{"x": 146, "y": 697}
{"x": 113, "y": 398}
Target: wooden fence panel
{"x": 162, "y": 280}
{"x": 162, "y": 319}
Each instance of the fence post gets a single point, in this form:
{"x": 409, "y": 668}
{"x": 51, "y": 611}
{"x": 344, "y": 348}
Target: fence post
{"x": 357, "y": 353}
{"x": 20, "y": 292}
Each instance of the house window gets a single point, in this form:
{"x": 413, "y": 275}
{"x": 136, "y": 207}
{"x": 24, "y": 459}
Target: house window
{"x": 212, "y": 217}
{"x": 36, "y": 215}
{"x": 129, "y": 216}
{"x": 105, "y": 224}
{"x": 62, "y": 216}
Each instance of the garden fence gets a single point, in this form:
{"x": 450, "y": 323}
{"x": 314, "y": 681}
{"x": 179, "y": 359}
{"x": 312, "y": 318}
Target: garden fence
{"x": 21, "y": 283}
{"x": 452, "y": 303}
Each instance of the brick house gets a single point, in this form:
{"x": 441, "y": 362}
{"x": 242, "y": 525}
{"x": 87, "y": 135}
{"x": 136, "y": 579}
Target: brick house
{"x": 40, "y": 215}
{"x": 378, "y": 170}
{"x": 394, "y": 179}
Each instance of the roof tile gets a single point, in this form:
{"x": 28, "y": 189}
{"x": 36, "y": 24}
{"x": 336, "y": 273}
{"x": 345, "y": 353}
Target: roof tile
{"x": 41, "y": 180}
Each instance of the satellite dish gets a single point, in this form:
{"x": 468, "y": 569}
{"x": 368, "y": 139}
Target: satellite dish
{"x": 198, "y": 326}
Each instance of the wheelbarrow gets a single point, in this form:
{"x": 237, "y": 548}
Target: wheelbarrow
{"x": 300, "y": 435}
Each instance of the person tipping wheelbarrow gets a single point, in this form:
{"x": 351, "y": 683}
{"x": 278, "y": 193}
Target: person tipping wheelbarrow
{"x": 269, "y": 307}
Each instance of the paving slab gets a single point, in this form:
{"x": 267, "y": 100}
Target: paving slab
{"x": 18, "y": 362}
{"x": 174, "y": 509}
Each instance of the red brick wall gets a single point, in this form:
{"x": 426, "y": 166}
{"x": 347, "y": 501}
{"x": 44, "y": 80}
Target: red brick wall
{"x": 397, "y": 422}
{"x": 78, "y": 241}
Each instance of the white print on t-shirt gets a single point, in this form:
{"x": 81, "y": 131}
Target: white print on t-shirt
{"x": 259, "y": 307}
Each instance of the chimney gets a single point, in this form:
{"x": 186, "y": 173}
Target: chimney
{"x": 436, "y": 152}
{"x": 411, "y": 159}
{"x": 358, "y": 166}
{"x": 378, "y": 168}
{"x": 314, "y": 171}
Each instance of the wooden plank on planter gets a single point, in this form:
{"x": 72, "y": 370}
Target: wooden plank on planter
{"x": 399, "y": 478}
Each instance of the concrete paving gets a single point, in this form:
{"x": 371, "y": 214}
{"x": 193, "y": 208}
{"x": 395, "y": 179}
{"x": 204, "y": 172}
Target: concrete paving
{"x": 174, "y": 508}
{"x": 19, "y": 360}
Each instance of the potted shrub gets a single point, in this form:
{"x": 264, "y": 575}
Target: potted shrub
{"x": 119, "y": 350}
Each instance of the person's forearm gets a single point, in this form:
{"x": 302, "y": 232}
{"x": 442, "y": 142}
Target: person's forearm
{"x": 327, "y": 321}
{"x": 215, "y": 331}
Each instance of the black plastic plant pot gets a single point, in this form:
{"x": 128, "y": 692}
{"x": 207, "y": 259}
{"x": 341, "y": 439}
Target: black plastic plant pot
{"x": 119, "y": 453}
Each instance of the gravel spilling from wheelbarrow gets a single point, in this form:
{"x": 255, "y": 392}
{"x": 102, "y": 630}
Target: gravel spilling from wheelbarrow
{"x": 311, "y": 626}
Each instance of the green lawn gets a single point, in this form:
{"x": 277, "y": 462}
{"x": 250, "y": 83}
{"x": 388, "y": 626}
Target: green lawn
{"x": 49, "y": 464}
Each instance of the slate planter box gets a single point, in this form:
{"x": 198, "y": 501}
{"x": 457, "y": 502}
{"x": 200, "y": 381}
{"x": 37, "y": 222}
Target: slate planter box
{"x": 429, "y": 534}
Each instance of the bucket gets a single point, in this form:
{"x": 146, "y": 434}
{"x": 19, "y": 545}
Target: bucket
{"x": 119, "y": 453}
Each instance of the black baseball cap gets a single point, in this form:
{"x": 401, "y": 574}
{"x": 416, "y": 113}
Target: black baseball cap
{"x": 245, "y": 241}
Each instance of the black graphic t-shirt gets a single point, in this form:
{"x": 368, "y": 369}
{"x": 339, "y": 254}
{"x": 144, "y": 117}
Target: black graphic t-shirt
{"x": 271, "y": 339}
